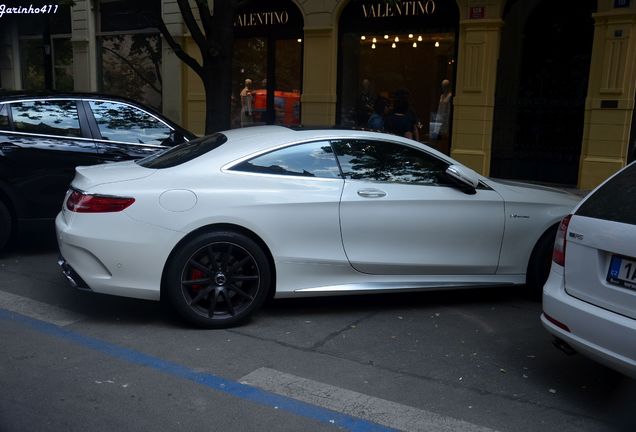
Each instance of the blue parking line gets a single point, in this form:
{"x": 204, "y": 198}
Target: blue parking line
{"x": 212, "y": 381}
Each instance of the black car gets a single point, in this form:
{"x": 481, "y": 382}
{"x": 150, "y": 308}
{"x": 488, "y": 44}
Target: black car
{"x": 43, "y": 137}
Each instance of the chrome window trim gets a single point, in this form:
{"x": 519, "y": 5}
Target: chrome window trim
{"x": 45, "y": 135}
{"x": 129, "y": 143}
{"x": 228, "y": 166}
{"x": 80, "y": 138}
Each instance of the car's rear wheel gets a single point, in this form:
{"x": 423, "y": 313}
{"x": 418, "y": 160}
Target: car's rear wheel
{"x": 217, "y": 279}
{"x": 540, "y": 263}
{"x": 5, "y": 225}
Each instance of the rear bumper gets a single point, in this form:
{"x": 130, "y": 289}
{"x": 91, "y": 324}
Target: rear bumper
{"x": 597, "y": 333}
{"x": 114, "y": 254}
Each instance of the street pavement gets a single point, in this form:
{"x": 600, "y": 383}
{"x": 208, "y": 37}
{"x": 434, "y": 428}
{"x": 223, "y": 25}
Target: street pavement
{"x": 469, "y": 360}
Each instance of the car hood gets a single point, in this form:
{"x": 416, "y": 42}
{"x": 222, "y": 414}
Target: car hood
{"x": 90, "y": 176}
{"x": 533, "y": 193}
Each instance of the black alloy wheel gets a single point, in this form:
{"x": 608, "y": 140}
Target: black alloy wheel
{"x": 218, "y": 279}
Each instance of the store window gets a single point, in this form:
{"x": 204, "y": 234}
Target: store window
{"x": 267, "y": 64}
{"x": 398, "y": 59}
{"x": 46, "y": 52}
{"x": 130, "y": 50}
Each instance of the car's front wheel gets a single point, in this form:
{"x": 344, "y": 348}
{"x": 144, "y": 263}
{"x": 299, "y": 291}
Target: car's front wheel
{"x": 217, "y": 279}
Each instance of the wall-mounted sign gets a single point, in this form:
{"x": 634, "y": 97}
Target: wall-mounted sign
{"x": 477, "y": 12}
{"x": 268, "y": 18}
{"x": 398, "y": 9}
{"x": 276, "y": 19}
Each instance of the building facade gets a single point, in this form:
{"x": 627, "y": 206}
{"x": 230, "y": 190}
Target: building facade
{"x": 538, "y": 90}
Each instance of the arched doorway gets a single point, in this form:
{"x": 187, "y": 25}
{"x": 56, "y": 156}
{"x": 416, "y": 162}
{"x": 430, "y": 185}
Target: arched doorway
{"x": 268, "y": 53}
{"x": 386, "y": 47}
{"x": 542, "y": 79}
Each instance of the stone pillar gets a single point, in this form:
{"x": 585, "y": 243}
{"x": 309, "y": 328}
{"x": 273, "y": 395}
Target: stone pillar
{"x": 320, "y": 62}
{"x": 84, "y": 45}
{"x": 610, "y": 97}
{"x": 319, "y": 77}
{"x": 474, "y": 99}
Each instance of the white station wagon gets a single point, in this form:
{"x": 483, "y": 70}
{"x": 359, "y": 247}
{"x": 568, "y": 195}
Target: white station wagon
{"x": 589, "y": 300}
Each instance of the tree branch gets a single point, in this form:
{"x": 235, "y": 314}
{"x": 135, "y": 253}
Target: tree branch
{"x": 178, "y": 50}
{"x": 134, "y": 69}
{"x": 191, "y": 23}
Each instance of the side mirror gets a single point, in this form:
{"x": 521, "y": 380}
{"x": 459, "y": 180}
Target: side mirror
{"x": 466, "y": 179}
{"x": 173, "y": 139}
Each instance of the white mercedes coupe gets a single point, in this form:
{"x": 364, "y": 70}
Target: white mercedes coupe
{"x": 219, "y": 223}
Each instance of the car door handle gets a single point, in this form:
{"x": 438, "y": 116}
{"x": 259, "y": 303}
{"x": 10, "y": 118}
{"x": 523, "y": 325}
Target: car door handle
{"x": 371, "y": 193}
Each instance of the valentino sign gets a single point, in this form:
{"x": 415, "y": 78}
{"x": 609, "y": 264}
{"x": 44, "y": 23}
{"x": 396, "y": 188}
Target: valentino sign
{"x": 261, "y": 19}
{"x": 398, "y": 9}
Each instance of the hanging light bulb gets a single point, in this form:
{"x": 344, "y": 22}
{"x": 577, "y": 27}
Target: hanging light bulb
{"x": 410, "y": 35}
{"x": 436, "y": 44}
{"x": 397, "y": 39}
{"x": 393, "y": 45}
{"x": 419, "y": 38}
{"x": 363, "y": 37}
{"x": 299, "y": 40}
{"x": 386, "y": 36}
{"x": 374, "y": 40}
{"x": 414, "y": 44}
{"x": 372, "y": 46}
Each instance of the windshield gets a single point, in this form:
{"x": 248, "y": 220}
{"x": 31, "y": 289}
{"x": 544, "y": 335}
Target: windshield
{"x": 183, "y": 152}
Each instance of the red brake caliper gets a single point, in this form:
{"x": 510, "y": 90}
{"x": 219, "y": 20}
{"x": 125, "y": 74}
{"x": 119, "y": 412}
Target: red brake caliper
{"x": 196, "y": 274}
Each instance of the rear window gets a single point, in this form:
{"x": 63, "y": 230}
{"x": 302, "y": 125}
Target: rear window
{"x": 612, "y": 201}
{"x": 183, "y": 152}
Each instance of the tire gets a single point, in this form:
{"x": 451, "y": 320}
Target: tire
{"x": 540, "y": 263}
{"x": 6, "y": 225}
{"x": 217, "y": 279}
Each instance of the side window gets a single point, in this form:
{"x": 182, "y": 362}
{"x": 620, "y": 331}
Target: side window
{"x": 124, "y": 123}
{"x": 4, "y": 117}
{"x": 388, "y": 162}
{"x": 315, "y": 159}
{"x": 55, "y": 117}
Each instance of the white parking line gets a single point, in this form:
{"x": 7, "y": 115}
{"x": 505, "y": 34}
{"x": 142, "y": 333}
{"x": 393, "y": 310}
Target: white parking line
{"x": 38, "y": 310}
{"x": 355, "y": 404}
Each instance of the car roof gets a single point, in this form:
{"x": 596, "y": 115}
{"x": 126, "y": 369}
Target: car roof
{"x": 255, "y": 139}
{"x": 11, "y": 95}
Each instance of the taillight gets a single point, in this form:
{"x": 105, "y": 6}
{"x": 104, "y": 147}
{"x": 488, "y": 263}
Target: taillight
{"x": 558, "y": 254}
{"x": 84, "y": 203}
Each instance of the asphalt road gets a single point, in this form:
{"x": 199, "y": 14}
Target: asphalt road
{"x": 471, "y": 360}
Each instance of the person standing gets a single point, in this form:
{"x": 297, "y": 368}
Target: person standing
{"x": 444, "y": 109}
{"x": 247, "y": 104}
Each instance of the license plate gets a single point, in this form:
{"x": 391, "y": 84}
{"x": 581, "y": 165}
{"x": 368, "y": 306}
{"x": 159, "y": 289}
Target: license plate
{"x": 622, "y": 272}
